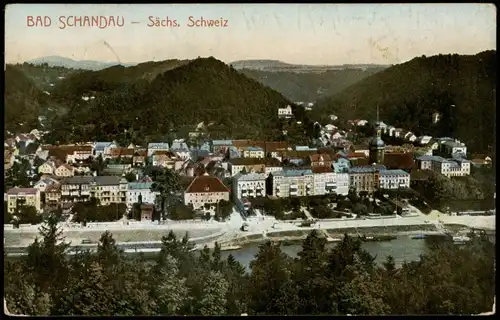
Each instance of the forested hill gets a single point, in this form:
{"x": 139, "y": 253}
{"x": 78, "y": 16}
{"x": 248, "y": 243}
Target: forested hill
{"x": 22, "y": 101}
{"x": 311, "y": 86}
{"x": 460, "y": 87}
{"x": 138, "y": 102}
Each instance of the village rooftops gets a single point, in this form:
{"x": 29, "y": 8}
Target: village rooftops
{"x": 320, "y": 157}
{"x": 206, "y": 183}
{"x": 22, "y": 191}
{"x": 139, "y": 185}
{"x": 292, "y": 173}
{"x": 246, "y": 161}
{"x": 250, "y": 176}
{"x": 453, "y": 144}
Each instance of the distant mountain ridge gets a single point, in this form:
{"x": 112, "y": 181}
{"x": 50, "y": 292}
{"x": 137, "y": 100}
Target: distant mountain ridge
{"x": 58, "y": 61}
{"x": 277, "y": 65}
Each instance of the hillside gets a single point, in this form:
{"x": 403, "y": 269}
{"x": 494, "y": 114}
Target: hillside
{"x": 57, "y": 61}
{"x": 131, "y": 103}
{"x": 44, "y": 76}
{"x": 459, "y": 87}
{"x": 109, "y": 79}
{"x": 22, "y": 101}
{"x": 310, "y": 86}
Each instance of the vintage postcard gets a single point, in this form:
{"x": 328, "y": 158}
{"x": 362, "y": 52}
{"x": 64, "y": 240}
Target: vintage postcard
{"x": 249, "y": 159}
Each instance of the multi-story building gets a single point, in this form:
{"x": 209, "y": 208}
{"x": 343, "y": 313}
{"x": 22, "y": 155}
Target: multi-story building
{"x": 328, "y": 181}
{"x": 76, "y": 189}
{"x": 102, "y": 148}
{"x": 457, "y": 167}
{"x": 164, "y": 159}
{"x": 249, "y": 185}
{"x": 221, "y": 146}
{"x": 205, "y": 190}
{"x": 140, "y": 190}
{"x": 394, "y": 179}
{"x": 254, "y": 152}
{"x": 320, "y": 160}
{"x": 79, "y": 153}
{"x": 157, "y": 146}
{"x": 365, "y": 178}
{"x": 47, "y": 168}
{"x": 64, "y": 170}
{"x": 23, "y": 197}
{"x": 291, "y": 183}
{"x": 270, "y": 168}
{"x": 52, "y": 195}
{"x": 109, "y": 189}
{"x": 450, "y": 148}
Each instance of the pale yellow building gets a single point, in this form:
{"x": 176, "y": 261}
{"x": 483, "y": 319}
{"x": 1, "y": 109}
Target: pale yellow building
{"x": 64, "y": 170}
{"x": 47, "y": 168}
{"x": 28, "y": 197}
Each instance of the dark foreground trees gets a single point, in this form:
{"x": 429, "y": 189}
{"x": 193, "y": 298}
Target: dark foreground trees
{"x": 449, "y": 279}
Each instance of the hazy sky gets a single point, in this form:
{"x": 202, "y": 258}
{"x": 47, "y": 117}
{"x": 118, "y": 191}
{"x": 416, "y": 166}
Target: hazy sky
{"x": 294, "y": 33}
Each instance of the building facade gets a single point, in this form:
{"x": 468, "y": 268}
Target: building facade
{"x": 140, "y": 190}
{"x": 76, "y": 189}
{"x": 109, "y": 189}
{"x": 292, "y": 183}
{"x": 23, "y": 197}
{"x": 394, "y": 179}
{"x": 250, "y": 185}
{"x": 365, "y": 179}
{"x": 205, "y": 191}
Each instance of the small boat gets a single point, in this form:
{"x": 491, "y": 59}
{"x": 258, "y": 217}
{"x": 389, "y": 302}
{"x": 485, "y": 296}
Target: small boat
{"x": 419, "y": 236}
{"x": 230, "y": 248}
{"x": 333, "y": 240}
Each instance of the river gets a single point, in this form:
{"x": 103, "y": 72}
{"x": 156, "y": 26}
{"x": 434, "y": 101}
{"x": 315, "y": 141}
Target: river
{"x": 402, "y": 248}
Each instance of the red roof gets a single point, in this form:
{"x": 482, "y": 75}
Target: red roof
{"x": 356, "y": 155}
{"x": 398, "y": 160}
{"x": 206, "y": 183}
{"x": 320, "y": 157}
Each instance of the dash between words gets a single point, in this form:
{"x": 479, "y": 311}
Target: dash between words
{"x": 103, "y": 22}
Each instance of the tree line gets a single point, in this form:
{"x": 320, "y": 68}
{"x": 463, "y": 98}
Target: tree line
{"x": 342, "y": 280}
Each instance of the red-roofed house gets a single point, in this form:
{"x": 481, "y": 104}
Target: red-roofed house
{"x": 205, "y": 189}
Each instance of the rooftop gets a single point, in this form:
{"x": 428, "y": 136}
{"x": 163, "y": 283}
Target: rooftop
{"x": 292, "y": 173}
{"x": 22, "y": 191}
{"x": 396, "y": 172}
{"x": 250, "y": 176}
{"x": 139, "y": 185}
{"x": 206, "y": 183}
{"x": 222, "y": 142}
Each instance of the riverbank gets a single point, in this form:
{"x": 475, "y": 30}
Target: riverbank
{"x": 296, "y": 236}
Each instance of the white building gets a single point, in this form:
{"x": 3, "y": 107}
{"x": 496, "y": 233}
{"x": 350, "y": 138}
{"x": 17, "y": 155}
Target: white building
{"x": 249, "y": 185}
{"x": 292, "y": 183}
{"x": 325, "y": 181}
{"x": 254, "y": 152}
{"x": 453, "y": 147}
{"x": 205, "y": 191}
{"x": 449, "y": 167}
{"x": 394, "y": 179}
{"x": 141, "y": 190}
{"x": 270, "y": 169}
{"x": 157, "y": 146}
{"x": 423, "y": 140}
{"x": 285, "y": 112}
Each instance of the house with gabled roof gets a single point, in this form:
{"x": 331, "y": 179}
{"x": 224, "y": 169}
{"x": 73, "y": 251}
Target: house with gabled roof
{"x": 157, "y": 146}
{"x": 205, "y": 190}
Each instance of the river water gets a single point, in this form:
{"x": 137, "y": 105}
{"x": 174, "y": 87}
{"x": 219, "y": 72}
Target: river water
{"x": 402, "y": 248}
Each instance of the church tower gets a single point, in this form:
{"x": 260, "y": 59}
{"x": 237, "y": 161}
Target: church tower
{"x": 377, "y": 146}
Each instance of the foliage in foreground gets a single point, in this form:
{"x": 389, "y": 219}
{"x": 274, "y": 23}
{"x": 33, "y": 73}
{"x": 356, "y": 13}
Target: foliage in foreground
{"x": 342, "y": 280}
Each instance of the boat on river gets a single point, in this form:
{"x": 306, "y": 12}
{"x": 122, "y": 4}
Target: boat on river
{"x": 460, "y": 239}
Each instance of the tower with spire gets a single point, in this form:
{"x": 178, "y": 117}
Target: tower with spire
{"x": 377, "y": 145}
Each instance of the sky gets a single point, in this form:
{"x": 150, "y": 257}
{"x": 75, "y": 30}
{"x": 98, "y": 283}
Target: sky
{"x": 317, "y": 34}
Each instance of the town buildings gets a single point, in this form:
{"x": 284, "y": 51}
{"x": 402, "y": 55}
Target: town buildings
{"x": 454, "y": 167}
{"x": 394, "y": 179}
{"x": 365, "y": 178}
{"x": 23, "y": 197}
{"x": 285, "y": 112}
{"x": 249, "y": 185}
{"x": 140, "y": 191}
{"x": 205, "y": 191}
{"x": 291, "y": 183}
